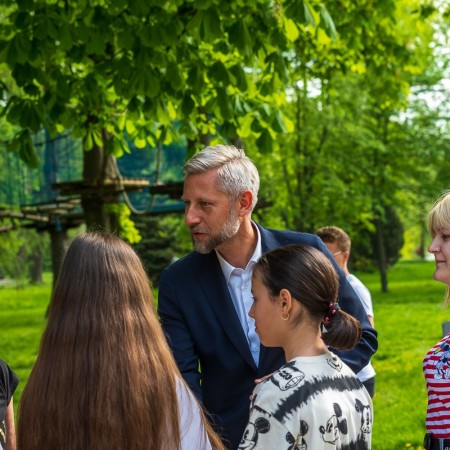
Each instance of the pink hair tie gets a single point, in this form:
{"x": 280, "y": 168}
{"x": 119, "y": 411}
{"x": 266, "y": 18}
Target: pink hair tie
{"x": 332, "y": 309}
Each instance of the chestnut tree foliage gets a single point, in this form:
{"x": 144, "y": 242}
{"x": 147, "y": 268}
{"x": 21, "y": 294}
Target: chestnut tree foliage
{"x": 103, "y": 67}
{"x": 324, "y": 95}
{"x": 115, "y": 70}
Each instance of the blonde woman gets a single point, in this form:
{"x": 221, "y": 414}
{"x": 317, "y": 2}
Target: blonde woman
{"x": 105, "y": 378}
{"x": 436, "y": 365}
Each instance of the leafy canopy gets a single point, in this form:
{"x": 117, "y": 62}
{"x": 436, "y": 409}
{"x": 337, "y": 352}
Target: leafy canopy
{"x": 106, "y": 67}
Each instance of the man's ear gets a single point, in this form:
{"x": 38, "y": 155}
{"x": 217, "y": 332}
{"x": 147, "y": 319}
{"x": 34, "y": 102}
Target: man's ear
{"x": 245, "y": 203}
{"x": 346, "y": 255}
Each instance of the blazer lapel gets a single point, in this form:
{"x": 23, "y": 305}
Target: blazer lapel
{"x": 215, "y": 288}
{"x": 268, "y": 240}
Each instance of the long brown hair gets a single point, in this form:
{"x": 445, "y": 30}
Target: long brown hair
{"x": 312, "y": 280}
{"x": 104, "y": 378}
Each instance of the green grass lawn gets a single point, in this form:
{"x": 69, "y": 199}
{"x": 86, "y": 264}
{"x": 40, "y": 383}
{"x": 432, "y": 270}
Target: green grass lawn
{"x": 408, "y": 319}
{"x": 409, "y": 322}
{"x": 22, "y": 320}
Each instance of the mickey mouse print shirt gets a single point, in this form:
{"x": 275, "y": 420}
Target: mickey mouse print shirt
{"x": 311, "y": 403}
{"x": 436, "y": 368}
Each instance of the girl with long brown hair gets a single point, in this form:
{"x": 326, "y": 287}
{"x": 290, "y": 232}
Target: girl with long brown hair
{"x": 104, "y": 378}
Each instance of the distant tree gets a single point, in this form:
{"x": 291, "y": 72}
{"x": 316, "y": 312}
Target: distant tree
{"x": 22, "y": 255}
{"x": 349, "y": 156}
{"x": 367, "y": 253}
{"x": 164, "y": 239}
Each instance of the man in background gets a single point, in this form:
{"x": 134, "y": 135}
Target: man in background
{"x": 338, "y": 242}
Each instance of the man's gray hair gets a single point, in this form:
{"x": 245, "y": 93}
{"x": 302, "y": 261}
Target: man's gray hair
{"x": 236, "y": 171}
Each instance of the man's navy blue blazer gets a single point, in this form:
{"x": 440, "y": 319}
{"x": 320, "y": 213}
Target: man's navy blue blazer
{"x": 209, "y": 344}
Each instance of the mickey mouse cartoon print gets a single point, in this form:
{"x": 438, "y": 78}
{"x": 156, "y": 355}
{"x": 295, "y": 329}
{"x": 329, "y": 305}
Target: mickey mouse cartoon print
{"x": 250, "y": 438}
{"x": 287, "y": 377}
{"x": 366, "y": 416}
{"x": 300, "y": 442}
{"x": 335, "y": 426}
{"x": 443, "y": 363}
{"x": 335, "y": 362}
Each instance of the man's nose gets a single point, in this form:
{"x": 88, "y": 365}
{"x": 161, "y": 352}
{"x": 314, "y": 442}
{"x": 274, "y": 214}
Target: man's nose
{"x": 190, "y": 216}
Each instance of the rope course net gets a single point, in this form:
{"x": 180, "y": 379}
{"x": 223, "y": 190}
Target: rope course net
{"x": 34, "y": 197}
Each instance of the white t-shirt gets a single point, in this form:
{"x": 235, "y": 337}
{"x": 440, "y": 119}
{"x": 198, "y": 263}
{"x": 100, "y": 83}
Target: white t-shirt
{"x": 363, "y": 293}
{"x": 193, "y": 434}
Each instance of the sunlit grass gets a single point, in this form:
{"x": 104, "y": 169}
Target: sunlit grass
{"x": 22, "y": 319}
{"x": 408, "y": 319}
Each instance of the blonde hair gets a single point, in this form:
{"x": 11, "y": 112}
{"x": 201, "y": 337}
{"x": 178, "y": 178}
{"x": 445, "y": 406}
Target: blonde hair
{"x": 439, "y": 219}
{"x": 439, "y": 215}
{"x": 104, "y": 378}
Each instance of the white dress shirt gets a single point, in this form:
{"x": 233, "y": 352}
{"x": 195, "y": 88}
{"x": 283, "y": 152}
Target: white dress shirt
{"x": 239, "y": 282}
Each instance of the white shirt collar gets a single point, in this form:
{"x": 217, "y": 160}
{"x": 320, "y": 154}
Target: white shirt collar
{"x": 227, "y": 268}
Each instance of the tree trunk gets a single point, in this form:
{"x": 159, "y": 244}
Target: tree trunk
{"x": 59, "y": 241}
{"x": 381, "y": 255}
{"x": 36, "y": 267}
{"x": 421, "y": 249}
{"x": 98, "y": 166}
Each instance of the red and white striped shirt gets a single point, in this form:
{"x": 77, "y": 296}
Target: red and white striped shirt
{"x": 436, "y": 367}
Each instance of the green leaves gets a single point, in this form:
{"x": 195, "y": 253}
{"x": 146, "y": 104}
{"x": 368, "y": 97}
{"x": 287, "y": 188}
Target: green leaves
{"x": 25, "y": 113}
{"x": 17, "y": 50}
{"x": 174, "y": 76}
{"x": 240, "y": 78}
{"x": 277, "y": 122}
{"x": 117, "y": 146}
{"x": 205, "y": 63}
{"x": 291, "y": 29}
{"x": 219, "y": 73}
{"x": 210, "y": 26}
{"x": 223, "y": 100}
{"x": 145, "y": 82}
{"x": 187, "y": 105}
{"x": 278, "y": 65}
{"x": 202, "y": 4}
{"x": 196, "y": 79}
{"x": 300, "y": 11}
{"x": 240, "y": 37}
{"x": 265, "y": 142}
{"x": 140, "y": 8}
{"x": 327, "y": 22}
{"x": 92, "y": 138}
{"x": 23, "y": 145}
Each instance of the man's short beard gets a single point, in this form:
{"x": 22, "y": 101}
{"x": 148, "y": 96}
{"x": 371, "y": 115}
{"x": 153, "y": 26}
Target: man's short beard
{"x": 228, "y": 231}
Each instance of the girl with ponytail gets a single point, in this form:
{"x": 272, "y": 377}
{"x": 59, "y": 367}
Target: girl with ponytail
{"x": 314, "y": 401}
